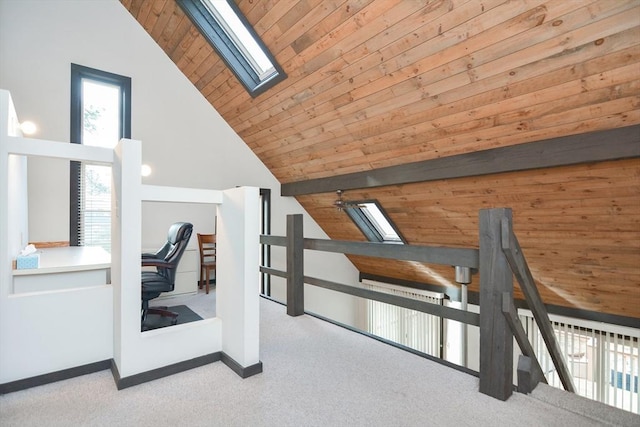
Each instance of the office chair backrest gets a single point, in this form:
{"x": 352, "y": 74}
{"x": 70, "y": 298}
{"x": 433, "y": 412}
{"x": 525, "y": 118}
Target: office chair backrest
{"x": 177, "y": 240}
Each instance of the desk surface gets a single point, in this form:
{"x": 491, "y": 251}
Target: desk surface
{"x": 69, "y": 258}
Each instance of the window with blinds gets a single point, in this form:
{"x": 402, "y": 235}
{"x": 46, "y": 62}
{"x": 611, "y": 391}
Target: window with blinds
{"x": 603, "y": 359}
{"x": 100, "y": 116}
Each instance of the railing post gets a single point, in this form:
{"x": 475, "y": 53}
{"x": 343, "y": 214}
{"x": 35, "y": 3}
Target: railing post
{"x": 295, "y": 265}
{"x": 496, "y": 279}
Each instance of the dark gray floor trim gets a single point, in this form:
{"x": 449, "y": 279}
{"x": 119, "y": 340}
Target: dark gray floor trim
{"x": 242, "y": 371}
{"x": 51, "y": 377}
{"x": 613, "y": 144}
{"x": 165, "y": 371}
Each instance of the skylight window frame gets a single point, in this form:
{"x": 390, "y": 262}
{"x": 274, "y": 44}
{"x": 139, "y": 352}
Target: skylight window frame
{"x": 226, "y": 46}
{"x": 357, "y": 211}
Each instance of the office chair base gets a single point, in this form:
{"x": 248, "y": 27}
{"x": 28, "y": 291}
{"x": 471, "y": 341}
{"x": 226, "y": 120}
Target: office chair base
{"x": 162, "y": 312}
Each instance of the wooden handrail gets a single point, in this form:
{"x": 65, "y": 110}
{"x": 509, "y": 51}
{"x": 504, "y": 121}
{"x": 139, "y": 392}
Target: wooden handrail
{"x": 467, "y": 317}
{"x": 463, "y": 257}
{"x": 518, "y": 263}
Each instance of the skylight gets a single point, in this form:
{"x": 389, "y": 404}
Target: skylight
{"x": 231, "y": 35}
{"x": 227, "y": 18}
{"x": 373, "y": 221}
{"x": 380, "y": 222}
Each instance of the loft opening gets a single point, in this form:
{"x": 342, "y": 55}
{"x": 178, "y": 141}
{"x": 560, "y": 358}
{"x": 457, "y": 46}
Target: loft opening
{"x": 227, "y": 30}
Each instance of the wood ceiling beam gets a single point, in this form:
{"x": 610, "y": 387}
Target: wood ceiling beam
{"x": 614, "y": 144}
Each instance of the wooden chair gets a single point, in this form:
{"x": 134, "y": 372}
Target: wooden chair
{"x": 207, "y": 246}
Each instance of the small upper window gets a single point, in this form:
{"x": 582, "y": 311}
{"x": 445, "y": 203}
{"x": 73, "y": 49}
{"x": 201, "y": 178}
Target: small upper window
{"x": 231, "y": 35}
{"x": 373, "y": 221}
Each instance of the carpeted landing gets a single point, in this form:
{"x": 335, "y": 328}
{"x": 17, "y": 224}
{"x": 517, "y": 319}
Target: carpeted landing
{"x": 315, "y": 375}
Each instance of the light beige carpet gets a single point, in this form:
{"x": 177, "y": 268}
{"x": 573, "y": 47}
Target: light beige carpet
{"x": 315, "y": 374}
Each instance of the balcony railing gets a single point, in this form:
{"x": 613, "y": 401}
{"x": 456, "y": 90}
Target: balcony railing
{"x": 498, "y": 259}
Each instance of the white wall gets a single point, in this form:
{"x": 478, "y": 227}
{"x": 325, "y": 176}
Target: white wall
{"x": 184, "y": 139}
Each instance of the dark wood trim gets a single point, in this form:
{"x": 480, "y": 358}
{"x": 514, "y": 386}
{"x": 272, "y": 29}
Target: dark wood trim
{"x": 272, "y": 272}
{"x": 165, "y": 371}
{"x": 78, "y": 73}
{"x": 496, "y": 280}
{"x": 242, "y": 371}
{"x": 295, "y": 265}
{"x": 510, "y": 313}
{"x": 513, "y": 252}
{"x": 52, "y": 377}
{"x": 431, "y": 254}
{"x": 614, "y": 144}
{"x": 464, "y": 257}
{"x": 399, "y": 301}
{"x": 273, "y": 240}
{"x": 265, "y": 229}
{"x": 528, "y": 376}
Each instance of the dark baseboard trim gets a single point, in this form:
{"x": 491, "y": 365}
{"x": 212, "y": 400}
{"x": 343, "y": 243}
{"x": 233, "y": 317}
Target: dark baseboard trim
{"x": 133, "y": 380}
{"x": 165, "y": 371}
{"x": 242, "y": 371}
{"x": 52, "y": 377}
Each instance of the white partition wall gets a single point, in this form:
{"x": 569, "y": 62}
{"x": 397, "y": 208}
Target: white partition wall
{"x": 136, "y": 352}
{"x": 235, "y": 331}
{"x": 237, "y": 273}
{"x": 48, "y": 331}
{"x": 60, "y": 329}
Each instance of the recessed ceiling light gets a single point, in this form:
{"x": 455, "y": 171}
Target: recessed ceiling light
{"x": 145, "y": 170}
{"x": 28, "y": 128}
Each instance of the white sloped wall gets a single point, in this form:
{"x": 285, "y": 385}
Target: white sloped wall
{"x": 184, "y": 139}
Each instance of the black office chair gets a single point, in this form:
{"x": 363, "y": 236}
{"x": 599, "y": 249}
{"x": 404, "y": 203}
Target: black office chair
{"x": 166, "y": 262}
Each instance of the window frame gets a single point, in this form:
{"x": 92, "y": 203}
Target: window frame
{"x": 356, "y": 213}
{"x": 78, "y": 74}
{"x": 265, "y": 250}
{"x": 226, "y": 48}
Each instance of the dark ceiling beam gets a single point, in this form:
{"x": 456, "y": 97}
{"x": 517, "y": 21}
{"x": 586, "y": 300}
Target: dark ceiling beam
{"x": 614, "y": 144}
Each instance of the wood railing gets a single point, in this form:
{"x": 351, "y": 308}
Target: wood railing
{"x": 497, "y": 260}
{"x": 512, "y": 250}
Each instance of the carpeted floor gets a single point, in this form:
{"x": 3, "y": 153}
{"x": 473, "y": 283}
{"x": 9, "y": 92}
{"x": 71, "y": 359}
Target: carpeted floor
{"x": 315, "y": 374}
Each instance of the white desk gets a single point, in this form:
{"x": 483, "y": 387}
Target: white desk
{"x": 65, "y": 268}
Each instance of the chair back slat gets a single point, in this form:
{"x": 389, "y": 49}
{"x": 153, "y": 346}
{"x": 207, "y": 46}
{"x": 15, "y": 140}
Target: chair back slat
{"x": 207, "y": 246}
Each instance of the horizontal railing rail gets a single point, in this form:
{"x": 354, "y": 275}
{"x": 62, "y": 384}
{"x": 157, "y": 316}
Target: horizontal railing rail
{"x": 466, "y": 317}
{"x": 463, "y": 257}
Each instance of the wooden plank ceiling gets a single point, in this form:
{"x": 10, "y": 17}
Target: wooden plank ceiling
{"x": 381, "y": 83}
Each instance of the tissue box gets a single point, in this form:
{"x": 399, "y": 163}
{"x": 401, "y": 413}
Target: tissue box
{"x": 28, "y": 261}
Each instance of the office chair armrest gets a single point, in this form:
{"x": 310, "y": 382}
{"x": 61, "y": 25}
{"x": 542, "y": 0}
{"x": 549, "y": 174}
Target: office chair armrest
{"x": 146, "y": 256}
{"x": 154, "y": 262}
